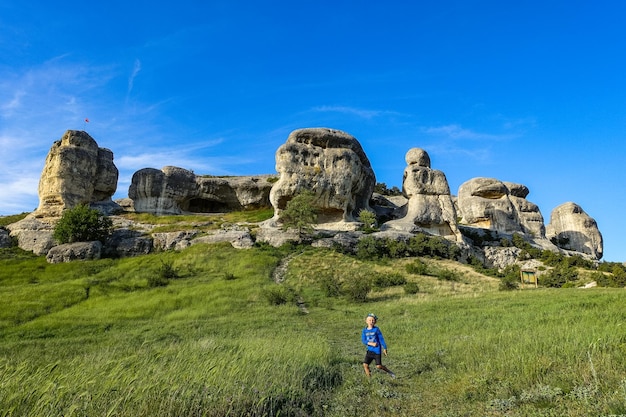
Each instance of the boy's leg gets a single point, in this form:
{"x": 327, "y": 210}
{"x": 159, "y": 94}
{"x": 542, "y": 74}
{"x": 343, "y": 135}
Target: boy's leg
{"x": 367, "y": 369}
{"x": 384, "y": 368}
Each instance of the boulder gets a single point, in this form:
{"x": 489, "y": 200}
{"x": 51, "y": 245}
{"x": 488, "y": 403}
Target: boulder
{"x": 173, "y": 240}
{"x": 127, "y": 243}
{"x": 174, "y": 190}
{"x": 74, "y": 251}
{"x": 430, "y": 207}
{"x": 331, "y": 164}
{"x": 495, "y": 205}
{"x": 76, "y": 171}
{"x": 5, "y": 238}
{"x": 34, "y": 235}
{"x": 239, "y": 237}
{"x": 570, "y": 228}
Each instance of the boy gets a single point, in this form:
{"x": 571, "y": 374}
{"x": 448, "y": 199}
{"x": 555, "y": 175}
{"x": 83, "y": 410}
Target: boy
{"x": 373, "y": 338}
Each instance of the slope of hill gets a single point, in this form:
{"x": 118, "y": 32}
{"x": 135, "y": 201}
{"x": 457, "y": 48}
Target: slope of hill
{"x": 208, "y": 332}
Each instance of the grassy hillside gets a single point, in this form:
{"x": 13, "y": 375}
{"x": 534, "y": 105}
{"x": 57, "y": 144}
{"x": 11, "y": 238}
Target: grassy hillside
{"x": 209, "y": 332}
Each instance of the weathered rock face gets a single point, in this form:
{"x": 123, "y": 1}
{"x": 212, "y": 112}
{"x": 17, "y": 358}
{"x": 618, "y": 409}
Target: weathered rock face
{"x": 331, "y": 164}
{"x": 492, "y": 204}
{"x": 571, "y": 228}
{"x": 76, "y": 172}
{"x": 430, "y": 207}
{"x": 174, "y": 190}
{"x": 32, "y": 234}
{"x": 74, "y": 251}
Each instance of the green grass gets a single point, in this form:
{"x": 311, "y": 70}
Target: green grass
{"x": 93, "y": 338}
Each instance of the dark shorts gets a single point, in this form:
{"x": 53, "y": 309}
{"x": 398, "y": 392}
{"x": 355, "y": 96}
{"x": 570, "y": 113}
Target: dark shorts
{"x": 372, "y": 356}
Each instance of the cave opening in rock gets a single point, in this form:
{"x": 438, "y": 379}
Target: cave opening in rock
{"x": 203, "y": 205}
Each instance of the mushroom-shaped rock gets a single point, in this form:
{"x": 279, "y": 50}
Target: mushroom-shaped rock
{"x": 571, "y": 228}
{"x": 331, "y": 164}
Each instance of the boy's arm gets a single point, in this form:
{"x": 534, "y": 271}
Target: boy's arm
{"x": 382, "y": 342}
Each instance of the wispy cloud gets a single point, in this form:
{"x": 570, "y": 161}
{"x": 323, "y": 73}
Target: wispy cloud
{"x": 361, "y": 113}
{"x": 456, "y": 132}
{"x": 133, "y": 75}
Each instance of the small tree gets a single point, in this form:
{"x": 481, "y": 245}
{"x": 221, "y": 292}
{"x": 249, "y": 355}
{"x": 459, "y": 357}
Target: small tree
{"x": 300, "y": 213}
{"x": 368, "y": 219}
{"x": 82, "y": 224}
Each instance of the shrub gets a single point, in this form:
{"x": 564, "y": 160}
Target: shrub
{"x": 417, "y": 267}
{"x": 447, "y": 275}
{"x": 388, "y": 280}
{"x": 558, "y": 276}
{"x": 82, "y": 224}
{"x": 330, "y": 285}
{"x": 300, "y": 213}
{"x": 411, "y": 288}
{"x": 356, "y": 288}
{"x": 167, "y": 270}
{"x": 371, "y": 248}
{"x": 368, "y": 219}
{"x": 276, "y": 295}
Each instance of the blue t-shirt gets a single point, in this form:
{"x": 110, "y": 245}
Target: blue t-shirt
{"x": 373, "y": 335}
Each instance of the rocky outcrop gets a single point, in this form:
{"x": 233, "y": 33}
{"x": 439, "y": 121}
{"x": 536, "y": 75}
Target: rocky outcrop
{"x": 174, "y": 190}
{"x": 5, "y": 238}
{"x": 570, "y": 228}
{"x": 239, "y": 237}
{"x": 491, "y": 204}
{"x": 76, "y": 171}
{"x": 34, "y": 235}
{"x": 430, "y": 208}
{"x": 74, "y": 251}
{"x": 331, "y": 164}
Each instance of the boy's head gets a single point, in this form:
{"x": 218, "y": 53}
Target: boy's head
{"x": 371, "y": 319}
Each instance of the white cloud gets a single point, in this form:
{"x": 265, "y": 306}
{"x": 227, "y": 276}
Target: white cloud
{"x": 456, "y": 132}
{"x": 362, "y": 113}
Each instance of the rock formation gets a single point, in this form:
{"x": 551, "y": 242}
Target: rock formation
{"x": 430, "y": 208}
{"x": 174, "y": 190}
{"x": 491, "y": 204}
{"x": 331, "y": 164}
{"x": 572, "y": 229}
{"x": 76, "y": 171}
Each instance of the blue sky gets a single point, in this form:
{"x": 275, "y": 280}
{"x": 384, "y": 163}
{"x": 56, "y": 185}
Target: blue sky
{"x": 530, "y": 92}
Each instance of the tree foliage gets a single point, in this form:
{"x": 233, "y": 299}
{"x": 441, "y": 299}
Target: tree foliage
{"x": 82, "y": 224}
{"x": 300, "y": 213}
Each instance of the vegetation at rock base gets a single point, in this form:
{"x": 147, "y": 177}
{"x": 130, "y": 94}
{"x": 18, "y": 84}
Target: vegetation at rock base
{"x": 300, "y": 213}
{"x": 222, "y": 338}
{"x": 82, "y": 224}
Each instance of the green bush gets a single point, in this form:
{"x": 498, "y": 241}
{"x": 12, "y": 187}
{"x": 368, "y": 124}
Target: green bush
{"x": 82, "y": 224}
{"x": 368, "y": 219}
{"x": 330, "y": 285}
{"x": 356, "y": 288}
{"x": 277, "y": 295}
{"x": 411, "y": 288}
{"x": 447, "y": 275}
{"x": 388, "y": 280}
{"x": 417, "y": 267}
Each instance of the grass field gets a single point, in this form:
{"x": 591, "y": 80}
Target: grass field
{"x": 101, "y": 338}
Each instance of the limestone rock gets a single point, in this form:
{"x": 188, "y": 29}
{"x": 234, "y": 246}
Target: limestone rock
{"x": 175, "y": 190}
{"x": 572, "y": 229}
{"x": 74, "y": 251}
{"x": 331, "y": 164}
{"x": 34, "y": 235}
{"x": 173, "y": 240}
{"x": 76, "y": 172}
{"x": 127, "y": 243}
{"x": 492, "y": 204}
{"x": 239, "y": 237}
{"x": 430, "y": 207}
{"x": 5, "y": 238}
